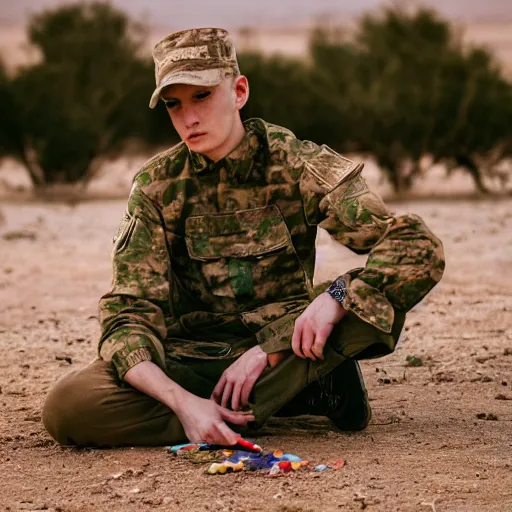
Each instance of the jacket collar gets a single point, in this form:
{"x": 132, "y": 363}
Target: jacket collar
{"x": 248, "y": 156}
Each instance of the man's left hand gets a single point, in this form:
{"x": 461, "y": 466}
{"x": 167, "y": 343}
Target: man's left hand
{"x": 237, "y": 381}
{"x": 314, "y": 326}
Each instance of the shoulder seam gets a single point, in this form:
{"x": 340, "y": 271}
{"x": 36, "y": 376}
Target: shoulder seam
{"x": 162, "y": 156}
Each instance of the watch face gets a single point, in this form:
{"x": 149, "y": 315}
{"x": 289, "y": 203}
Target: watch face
{"x": 339, "y": 295}
{"x": 338, "y": 290}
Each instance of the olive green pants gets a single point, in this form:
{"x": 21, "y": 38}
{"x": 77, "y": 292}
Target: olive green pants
{"x": 88, "y": 407}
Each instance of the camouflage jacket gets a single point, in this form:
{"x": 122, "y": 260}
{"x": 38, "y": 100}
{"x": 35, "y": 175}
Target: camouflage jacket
{"x": 204, "y": 242}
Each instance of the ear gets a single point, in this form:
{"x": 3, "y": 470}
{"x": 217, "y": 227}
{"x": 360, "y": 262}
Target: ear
{"x": 241, "y": 89}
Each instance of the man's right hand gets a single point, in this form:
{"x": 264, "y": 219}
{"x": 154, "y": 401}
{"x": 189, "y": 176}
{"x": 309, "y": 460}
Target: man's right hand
{"x": 204, "y": 421}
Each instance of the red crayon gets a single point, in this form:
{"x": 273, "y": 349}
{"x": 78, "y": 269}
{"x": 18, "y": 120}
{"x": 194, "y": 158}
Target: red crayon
{"x": 251, "y": 447}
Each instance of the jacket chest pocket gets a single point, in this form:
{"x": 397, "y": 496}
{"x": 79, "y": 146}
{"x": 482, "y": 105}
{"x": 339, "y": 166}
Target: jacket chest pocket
{"x": 247, "y": 255}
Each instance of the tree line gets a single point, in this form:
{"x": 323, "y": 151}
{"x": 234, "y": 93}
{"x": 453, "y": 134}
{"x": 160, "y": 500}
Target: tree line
{"x": 401, "y": 88}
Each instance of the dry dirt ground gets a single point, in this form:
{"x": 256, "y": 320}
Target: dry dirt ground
{"x": 440, "y": 438}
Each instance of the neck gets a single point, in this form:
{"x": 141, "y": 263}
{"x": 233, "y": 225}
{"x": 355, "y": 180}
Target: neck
{"x": 234, "y": 139}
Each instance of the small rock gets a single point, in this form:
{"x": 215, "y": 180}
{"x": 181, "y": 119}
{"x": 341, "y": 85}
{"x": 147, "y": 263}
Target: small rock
{"x": 484, "y": 359}
{"x": 414, "y": 361}
{"x": 489, "y": 416}
{"x": 507, "y": 352}
{"x": 483, "y": 378}
{"x": 35, "y": 419}
{"x": 501, "y": 396}
{"x": 157, "y": 502}
{"x": 444, "y": 377}
{"x": 64, "y": 358}
{"x": 19, "y": 235}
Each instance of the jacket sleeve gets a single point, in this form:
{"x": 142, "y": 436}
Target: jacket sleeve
{"x": 405, "y": 259}
{"x": 133, "y": 313}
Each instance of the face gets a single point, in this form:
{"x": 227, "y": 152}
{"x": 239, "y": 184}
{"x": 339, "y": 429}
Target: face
{"x": 207, "y": 118}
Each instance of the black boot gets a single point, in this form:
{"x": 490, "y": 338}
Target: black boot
{"x": 341, "y": 396}
{"x": 353, "y": 411}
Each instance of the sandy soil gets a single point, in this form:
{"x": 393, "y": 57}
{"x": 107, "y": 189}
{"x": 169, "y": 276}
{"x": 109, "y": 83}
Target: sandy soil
{"x": 425, "y": 449}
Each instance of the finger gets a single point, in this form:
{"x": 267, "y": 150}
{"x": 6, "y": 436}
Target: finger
{"x": 321, "y": 340}
{"x": 217, "y": 391}
{"x": 235, "y": 396}
{"x": 226, "y": 395}
{"x": 296, "y": 338}
{"x": 226, "y": 435}
{"x": 246, "y": 390}
{"x": 308, "y": 338}
{"x": 237, "y": 418}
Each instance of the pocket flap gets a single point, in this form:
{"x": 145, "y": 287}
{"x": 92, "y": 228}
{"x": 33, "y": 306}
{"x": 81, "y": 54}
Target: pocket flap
{"x": 236, "y": 234}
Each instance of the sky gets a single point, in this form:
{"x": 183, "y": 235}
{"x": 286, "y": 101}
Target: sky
{"x": 237, "y": 13}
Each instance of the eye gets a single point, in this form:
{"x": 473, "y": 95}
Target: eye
{"x": 202, "y": 95}
{"x": 170, "y": 104}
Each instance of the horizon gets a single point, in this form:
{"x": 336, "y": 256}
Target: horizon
{"x": 233, "y": 14}
{"x": 271, "y": 32}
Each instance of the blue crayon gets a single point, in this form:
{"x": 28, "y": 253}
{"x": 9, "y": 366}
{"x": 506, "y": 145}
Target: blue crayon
{"x": 290, "y": 457}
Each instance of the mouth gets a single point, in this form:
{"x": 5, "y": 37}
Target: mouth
{"x": 195, "y": 136}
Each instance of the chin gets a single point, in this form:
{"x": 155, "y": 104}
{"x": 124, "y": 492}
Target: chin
{"x": 203, "y": 147}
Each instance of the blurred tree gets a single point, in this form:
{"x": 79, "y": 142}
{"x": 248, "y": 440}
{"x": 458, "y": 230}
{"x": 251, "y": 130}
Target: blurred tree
{"x": 11, "y": 129}
{"x": 401, "y": 87}
{"x": 286, "y": 92}
{"x": 412, "y": 90}
{"x": 86, "y": 98}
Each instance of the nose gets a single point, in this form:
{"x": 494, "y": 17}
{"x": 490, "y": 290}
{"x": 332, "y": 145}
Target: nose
{"x": 191, "y": 118}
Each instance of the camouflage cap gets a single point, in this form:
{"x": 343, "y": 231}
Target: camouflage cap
{"x": 198, "y": 56}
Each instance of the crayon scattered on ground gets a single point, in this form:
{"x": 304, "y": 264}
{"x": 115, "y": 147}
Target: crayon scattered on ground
{"x": 228, "y": 460}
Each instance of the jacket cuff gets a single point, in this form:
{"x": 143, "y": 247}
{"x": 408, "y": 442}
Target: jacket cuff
{"x": 126, "y": 349}
{"x": 277, "y": 335}
{"x": 275, "y": 345}
{"x": 124, "y": 362}
{"x": 368, "y": 303}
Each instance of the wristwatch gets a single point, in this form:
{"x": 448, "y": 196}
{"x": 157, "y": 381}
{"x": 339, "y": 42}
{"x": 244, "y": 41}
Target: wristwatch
{"x": 338, "y": 290}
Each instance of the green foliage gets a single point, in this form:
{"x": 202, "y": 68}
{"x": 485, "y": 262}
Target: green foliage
{"x": 400, "y": 88}
{"x": 9, "y": 136}
{"x": 87, "y": 97}
{"x": 415, "y": 91}
{"x": 286, "y": 92}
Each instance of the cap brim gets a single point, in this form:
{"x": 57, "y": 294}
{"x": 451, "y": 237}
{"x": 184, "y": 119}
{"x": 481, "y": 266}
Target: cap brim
{"x": 205, "y": 77}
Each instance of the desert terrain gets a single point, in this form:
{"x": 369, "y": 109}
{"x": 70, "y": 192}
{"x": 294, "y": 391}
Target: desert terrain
{"x": 440, "y": 437}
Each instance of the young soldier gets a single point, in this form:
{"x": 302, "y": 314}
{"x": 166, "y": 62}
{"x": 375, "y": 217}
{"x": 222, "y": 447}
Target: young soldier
{"x": 213, "y": 322}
